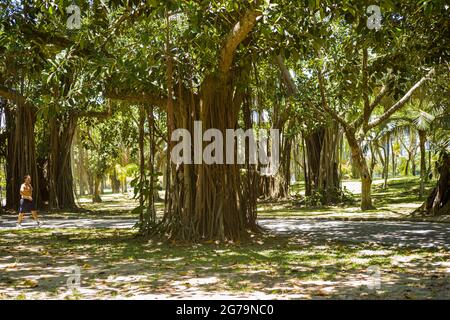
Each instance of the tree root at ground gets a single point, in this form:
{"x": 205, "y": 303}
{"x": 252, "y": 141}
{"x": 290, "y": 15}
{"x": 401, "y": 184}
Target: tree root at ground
{"x": 438, "y": 202}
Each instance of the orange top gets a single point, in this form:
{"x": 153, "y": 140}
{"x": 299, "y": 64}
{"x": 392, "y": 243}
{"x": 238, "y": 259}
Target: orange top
{"x": 26, "y": 190}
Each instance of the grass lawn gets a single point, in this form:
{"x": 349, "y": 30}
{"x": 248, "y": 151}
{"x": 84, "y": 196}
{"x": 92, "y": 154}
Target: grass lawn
{"x": 397, "y": 202}
{"x": 115, "y": 263}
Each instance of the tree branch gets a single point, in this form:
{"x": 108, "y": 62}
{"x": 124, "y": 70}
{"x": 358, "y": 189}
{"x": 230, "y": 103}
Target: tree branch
{"x": 332, "y": 112}
{"x": 59, "y": 41}
{"x": 400, "y": 103}
{"x": 287, "y": 78}
{"x": 94, "y": 114}
{"x": 365, "y": 87}
{"x": 12, "y": 95}
{"x": 362, "y": 119}
{"x": 135, "y": 97}
{"x": 235, "y": 37}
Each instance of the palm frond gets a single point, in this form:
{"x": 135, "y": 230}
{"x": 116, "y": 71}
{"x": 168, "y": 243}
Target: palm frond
{"x": 424, "y": 120}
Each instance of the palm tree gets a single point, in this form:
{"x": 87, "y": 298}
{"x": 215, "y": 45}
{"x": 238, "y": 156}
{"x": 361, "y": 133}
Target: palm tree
{"x": 436, "y": 120}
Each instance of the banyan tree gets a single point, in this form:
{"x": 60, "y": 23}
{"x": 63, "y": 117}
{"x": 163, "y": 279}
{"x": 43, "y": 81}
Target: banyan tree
{"x": 438, "y": 202}
{"x": 210, "y": 201}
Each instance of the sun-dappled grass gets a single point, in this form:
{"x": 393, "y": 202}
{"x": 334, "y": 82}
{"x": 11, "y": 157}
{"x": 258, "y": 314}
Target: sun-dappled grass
{"x": 396, "y": 202}
{"x": 117, "y": 264}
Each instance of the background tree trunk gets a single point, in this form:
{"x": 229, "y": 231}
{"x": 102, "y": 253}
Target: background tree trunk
{"x": 438, "y": 202}
{"x": 322, "y": 147}
{"x": 96, "y": 192}
{"x": 393, "y": 160}
{"x": 21, "y": 159}
{"x": 61, "y": 192}
{"x": 387, "y": 151}
{"x": 141, "y": 163}
{"x": 366, "y": 178}
{"x": 423, "y": 165}
{"x": 115, "y": 182}
{"x": 81, "y": 170}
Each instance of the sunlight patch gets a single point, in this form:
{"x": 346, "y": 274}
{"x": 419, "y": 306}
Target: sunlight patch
{"x": 172, "y": 259}
{"x": 404, "y": 259}
{"x": 196, "y": 282}
{"x": 374, "y": 252}
{"x": 362, "y": 261}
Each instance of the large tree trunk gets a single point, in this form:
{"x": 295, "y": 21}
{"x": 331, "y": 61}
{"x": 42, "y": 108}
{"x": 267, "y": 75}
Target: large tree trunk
{"x": 61, "y": 192}
{"x": 366, "y": 179}
{"x": 153, "y": 194}
{"x": 355, "y": 170}
{"x": 96, "y": 190}
{"x": 277, "y": 186}
{"x": 142, "y": 175}
{"x": 366, "y": 187}
{"x": 328, "y": 175}
{"x": 407, "y": 165}
{"x": 322, "y": 148}
{"x": 210, "y": 201}
{"x": 313, "y": 144}
{"x": 82, "y": 180}
{"x": 438, "y": 202}
{"x": 115, "y": 182}
{"x": 21, "y": 154}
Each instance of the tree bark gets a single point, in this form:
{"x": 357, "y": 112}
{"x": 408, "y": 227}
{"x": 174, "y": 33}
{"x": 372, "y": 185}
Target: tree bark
{"x": 60, "y": 178}
{"x": 393, "y": 161}
{"x": 322, "y": 163}
{"x": 115, "y": 182}
{"x": 438, "y": 202}
{"x": 423, "y": 165}
{"x": 209, "y": 202}
{"x": 407, "y": 165}
{"x": 21, "y": 154}
{"x": 387, "y": 151}
{"x": 366, "y": 178}
{"x": 96, "y": 194}
{"x": 142, "y": 175}
{"x": 81, "y": 167}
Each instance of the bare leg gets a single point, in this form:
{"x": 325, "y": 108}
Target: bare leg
{"x": 20, "y": 218}
{"x": 34, "y": 214}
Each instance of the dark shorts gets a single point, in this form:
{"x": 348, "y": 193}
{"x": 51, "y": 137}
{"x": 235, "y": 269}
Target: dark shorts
{"x": 26, "y": 206}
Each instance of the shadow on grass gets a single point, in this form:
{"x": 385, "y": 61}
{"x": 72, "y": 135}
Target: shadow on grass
{"x": 117, "y": 263}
